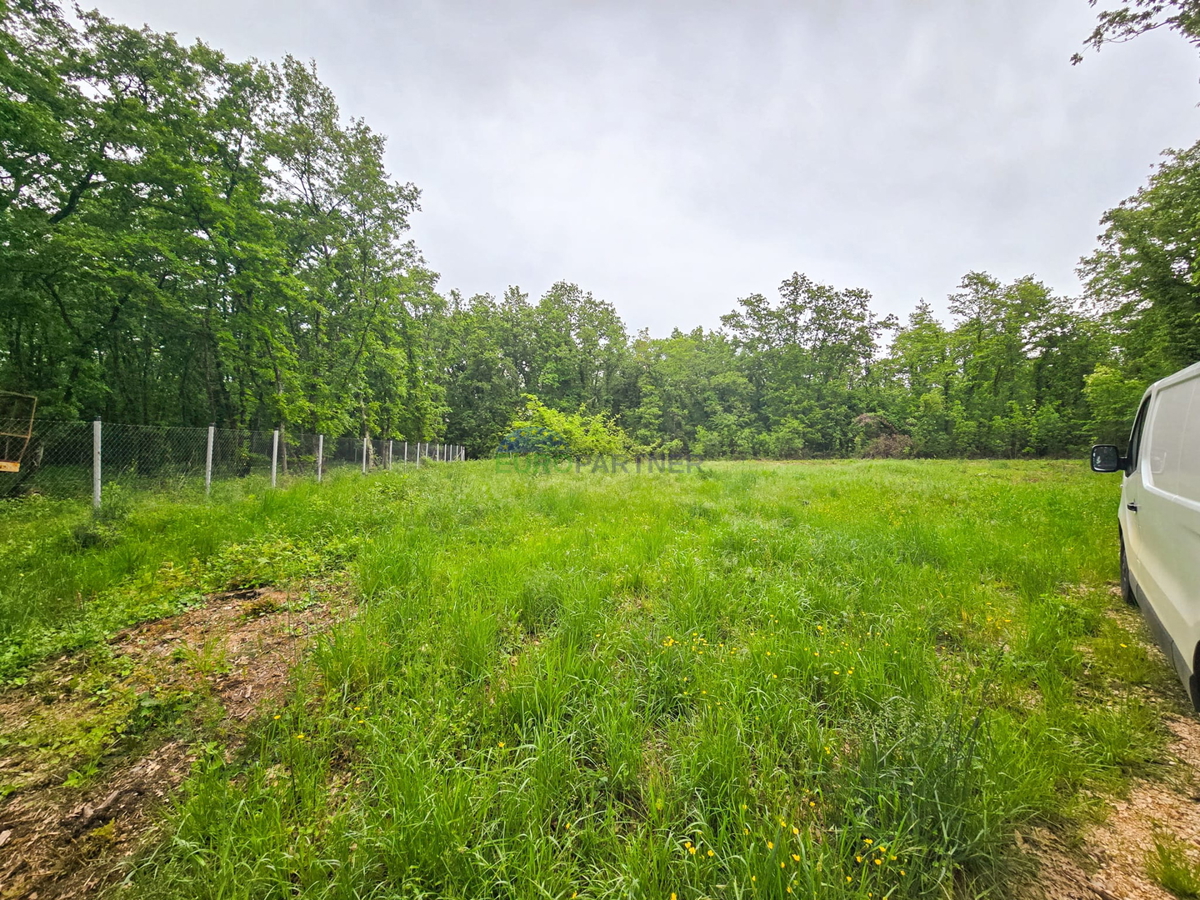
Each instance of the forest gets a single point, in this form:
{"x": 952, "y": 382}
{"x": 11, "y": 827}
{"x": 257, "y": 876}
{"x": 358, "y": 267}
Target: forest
{"x": 186, "y": 239}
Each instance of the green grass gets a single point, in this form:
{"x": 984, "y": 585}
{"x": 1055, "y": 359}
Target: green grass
{"x": 72, "y": 577}
{"x": 848, "y": 679}
{"x": 1170, "y": 865}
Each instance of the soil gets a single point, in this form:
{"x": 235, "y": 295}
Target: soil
{"x": 67, "y": 834}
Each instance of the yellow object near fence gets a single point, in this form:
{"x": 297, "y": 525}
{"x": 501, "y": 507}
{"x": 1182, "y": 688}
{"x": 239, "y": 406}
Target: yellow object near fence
{"x": 16, "y": 428}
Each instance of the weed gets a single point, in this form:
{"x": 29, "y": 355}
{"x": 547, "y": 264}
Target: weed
{"x": 1173, "y": 867}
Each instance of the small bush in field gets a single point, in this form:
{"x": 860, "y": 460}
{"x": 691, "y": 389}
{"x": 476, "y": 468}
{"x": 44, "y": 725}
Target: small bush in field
{"x": 540, "y": 429}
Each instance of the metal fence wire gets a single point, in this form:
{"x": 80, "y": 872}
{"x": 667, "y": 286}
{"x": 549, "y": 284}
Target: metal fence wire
{"x": 75, "y": 459}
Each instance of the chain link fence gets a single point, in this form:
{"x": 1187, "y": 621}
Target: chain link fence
{"x": 82, "y": 459}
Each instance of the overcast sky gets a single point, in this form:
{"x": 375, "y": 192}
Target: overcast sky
{"x": 671, "y": 157}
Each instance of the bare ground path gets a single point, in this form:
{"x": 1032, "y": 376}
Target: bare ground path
{"x": 94, "y": 744}
{"x": 1107, "y": 860}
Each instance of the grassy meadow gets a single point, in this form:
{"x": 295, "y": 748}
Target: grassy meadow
{"x": 839, "y": 680}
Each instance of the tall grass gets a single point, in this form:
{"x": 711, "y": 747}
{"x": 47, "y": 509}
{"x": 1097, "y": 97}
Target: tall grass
{"x": 72, "y": 576}
{"x": 819, "y": 680}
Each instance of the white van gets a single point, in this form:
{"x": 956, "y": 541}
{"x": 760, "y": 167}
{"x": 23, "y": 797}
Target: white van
{"x": 1160, "y": 517}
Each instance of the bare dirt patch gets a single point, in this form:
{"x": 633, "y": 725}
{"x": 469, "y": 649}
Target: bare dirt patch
{"x": 94, "y": 744}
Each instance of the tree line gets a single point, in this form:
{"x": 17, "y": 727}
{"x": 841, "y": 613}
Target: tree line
{"x": 185, "y": 239}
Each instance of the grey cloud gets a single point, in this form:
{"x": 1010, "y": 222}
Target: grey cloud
{"x": 671, "y": 157}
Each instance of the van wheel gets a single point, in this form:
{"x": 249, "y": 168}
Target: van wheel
{"x": 1126, "y": 583}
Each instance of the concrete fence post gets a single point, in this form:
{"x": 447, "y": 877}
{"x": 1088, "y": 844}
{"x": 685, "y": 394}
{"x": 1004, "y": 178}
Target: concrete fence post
{"x": 274, "y": 455}
{"x": 365, "y": 445}
{"x": 320, "y": 455}
{"x": 406, "y": 453}
{"x": 389, "y": 463}
{"x": 96, "y": 463}
{"x": 212, "y": 429}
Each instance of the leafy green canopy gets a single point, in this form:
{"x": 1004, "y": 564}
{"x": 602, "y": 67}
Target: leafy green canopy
{"x": 1144, "y": 272}
{"x": 1136, "y": 17}
{"x": 807, "y": 375}
{"x": 184, "y": 239}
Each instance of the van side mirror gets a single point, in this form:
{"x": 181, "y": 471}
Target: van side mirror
{"x": 1107, "y": 458}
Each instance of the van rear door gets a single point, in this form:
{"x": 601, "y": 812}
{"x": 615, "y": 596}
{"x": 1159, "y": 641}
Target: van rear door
{"x": 1168, "y": 517}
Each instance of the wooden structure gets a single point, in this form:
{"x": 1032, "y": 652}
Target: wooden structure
{"x": 16, "y": 428}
